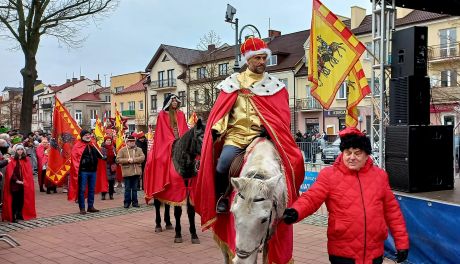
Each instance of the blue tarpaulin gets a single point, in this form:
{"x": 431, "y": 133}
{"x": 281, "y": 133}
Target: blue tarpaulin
{"x": 434, "y": 231}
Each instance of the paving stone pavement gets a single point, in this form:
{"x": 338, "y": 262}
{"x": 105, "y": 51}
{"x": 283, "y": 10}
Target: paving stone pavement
{"x": 119, "y": 235}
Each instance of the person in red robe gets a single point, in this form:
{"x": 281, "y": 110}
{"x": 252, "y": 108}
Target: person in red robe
{"x": 250, "y": 104}
{"x": 18, "y": 188}
{"x": 87, "y": 170}
{"x": 162, "y": 181}
{"x": 42, "y": 163}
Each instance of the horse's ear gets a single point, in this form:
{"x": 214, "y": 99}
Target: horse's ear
{"x": 274, "y": 181}
{"x": 239, "y": 183}
{"x": 199, "y": 123}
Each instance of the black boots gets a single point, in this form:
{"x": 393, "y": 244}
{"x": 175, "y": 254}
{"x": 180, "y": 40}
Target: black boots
{"x": 103, "y": 196}
{"x": 223, "y": 202}
{"x": 110, "y": 196}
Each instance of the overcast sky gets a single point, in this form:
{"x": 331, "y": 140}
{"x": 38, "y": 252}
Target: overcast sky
{"x": 126, "y": 40}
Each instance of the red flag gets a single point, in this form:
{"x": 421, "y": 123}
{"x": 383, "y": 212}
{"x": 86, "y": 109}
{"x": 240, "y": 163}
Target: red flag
{"x": 65, "y": 132}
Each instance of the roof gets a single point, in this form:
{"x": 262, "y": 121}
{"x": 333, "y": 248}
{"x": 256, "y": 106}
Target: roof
{"x": 13, "y": 89}
{"x": 94, "y": 97}
{"x": 413, "y": 17}
{"x": 65, "y": 85}
{"x": 103, "y": 90}
{"x": 446, "y": 7}
{"x": 182, "y": 56}
{"x": 291, "y": 49}
{"x": 137, "y": 87}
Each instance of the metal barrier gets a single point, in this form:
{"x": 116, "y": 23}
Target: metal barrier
{"x": 311, "y": 151}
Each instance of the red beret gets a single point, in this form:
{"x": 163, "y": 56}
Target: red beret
{"x": 350, "y": 131}
{"x": 139, "y": 135}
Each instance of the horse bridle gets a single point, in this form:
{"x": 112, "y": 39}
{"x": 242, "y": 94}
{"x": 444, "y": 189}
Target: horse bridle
{"x": 245, "y": 254}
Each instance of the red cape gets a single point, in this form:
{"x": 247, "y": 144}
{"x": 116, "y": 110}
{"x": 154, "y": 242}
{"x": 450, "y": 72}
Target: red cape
{"x": 101, "y": 173}
{"x": 274, "y": 113}
{"x": 28, "y": 211}
{"x": 161, "y": 179}
{"x": 42, "y": 159}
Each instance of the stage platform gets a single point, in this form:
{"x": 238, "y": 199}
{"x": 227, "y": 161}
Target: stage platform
{"x": 447, "y": 196}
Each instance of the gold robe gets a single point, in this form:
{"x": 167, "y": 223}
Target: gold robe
{"x": 242, "y": 124}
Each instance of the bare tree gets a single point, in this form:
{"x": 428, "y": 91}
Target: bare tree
{"x": 205, "y": 76}
{"x": 27, "y": 21}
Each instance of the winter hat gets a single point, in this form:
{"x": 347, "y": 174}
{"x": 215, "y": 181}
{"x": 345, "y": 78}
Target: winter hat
{"x": 16, "y": 140}
{"x": 140, "y": 135}
{"x": 254, "y": 46}
{"x": 18, "y": 146}
{"x": 84, "y": 132}
{"x": 351, "y": 137}
{"x": 168, "y": 100}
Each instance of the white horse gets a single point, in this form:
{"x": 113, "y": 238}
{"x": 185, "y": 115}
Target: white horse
{"x": 259, "y": 202}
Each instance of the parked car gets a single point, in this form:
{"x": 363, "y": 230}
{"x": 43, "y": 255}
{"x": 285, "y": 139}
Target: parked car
{"x": 331, "y": 151}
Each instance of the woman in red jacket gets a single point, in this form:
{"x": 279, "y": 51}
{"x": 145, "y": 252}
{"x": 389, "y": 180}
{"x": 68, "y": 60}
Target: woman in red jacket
{"x": 360, "y": 203}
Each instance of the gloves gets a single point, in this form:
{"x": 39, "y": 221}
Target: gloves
{"x": 264, "y": 133}
{"x": 214, "y": 134}
{"x": 290, "y": 216}
{"x": 401, "y": 255}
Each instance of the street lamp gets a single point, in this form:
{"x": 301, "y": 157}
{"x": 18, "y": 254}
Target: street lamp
{"x": 231, "y": 11}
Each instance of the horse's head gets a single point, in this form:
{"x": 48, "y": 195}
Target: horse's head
{"x": 259, "y": 202}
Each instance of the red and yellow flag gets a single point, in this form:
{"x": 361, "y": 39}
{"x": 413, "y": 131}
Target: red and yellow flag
{"x": 192, "y": 119}
{"x": 358, "y": 88}
{"x": 99, "y": 132}
{"x": 334, "y": 50}
{"x": 65, "y": 132}
{"x": 120, "y": 130}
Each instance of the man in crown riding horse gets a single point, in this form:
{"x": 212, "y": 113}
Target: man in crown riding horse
{"x": 250, "y": 104}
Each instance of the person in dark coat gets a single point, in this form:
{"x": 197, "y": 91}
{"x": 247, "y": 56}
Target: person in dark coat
{"x": 109, "y": 153}
{"x": 141, "y": 142}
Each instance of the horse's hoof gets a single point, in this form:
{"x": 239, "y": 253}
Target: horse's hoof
{"x": 169, "y": 227}
{"x": 178, "y": 240}
{"x": 158, "y": 229}
{"x": 195, "y": 241}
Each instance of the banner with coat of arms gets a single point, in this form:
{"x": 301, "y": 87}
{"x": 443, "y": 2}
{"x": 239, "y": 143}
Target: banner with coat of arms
{"x": 65, "y": 132}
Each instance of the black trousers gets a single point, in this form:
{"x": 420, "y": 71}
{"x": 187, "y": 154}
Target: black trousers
{"x": 17, "y": 203}
{"x": 341, "y": 260}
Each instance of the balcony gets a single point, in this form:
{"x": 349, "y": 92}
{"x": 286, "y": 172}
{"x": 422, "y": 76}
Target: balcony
{"x": 163, "y": 84}
{"x": 47, "y": 106}
{"x": 439, "y": 53}
{"x": 128, "y": 113}
{"x": 308, "y": 104}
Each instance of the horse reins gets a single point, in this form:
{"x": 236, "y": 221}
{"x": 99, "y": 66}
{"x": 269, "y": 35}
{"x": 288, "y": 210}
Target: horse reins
{"x": 245, "y": 254}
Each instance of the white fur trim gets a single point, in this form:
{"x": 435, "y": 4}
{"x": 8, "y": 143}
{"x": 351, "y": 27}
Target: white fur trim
{"x": 269, "y": 85}
{"x": 249, "y": 54}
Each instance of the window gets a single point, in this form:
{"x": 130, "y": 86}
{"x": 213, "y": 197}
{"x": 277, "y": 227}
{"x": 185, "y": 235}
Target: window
{"x": 182, "y": 98}
{"x": 131, "y": 105}
{"x": 122, "y": 106}
{"x": 107, "y": 98}
{"x": 153, "y": 102}
{"x": 272, "y": 60}
{"x": 207, "y": 96}
{"x": 161, "y": 77}
{"x": 201, "y": 73}
{"x": 78, "y": 116}
{"x": 107, "y": 114}
{"x": 342, "y": 92}
{"x": 285, "y": 81}
{"x": 448, "y": 120}
{"x": 196, "y": 97}
{"x": 368, "y": 48}
{"x": 141, "y": 105}
{"x": 171, "y": 77}
{"x": 223, "y": 69}
{"x": 449, "y": 78}
{"x": 92, "y": 113}
{"x": 118, "y": 89}
{"x": 40, "y": 118}
{"x": 448, "y": 39}
{"x": 131, "y": 128}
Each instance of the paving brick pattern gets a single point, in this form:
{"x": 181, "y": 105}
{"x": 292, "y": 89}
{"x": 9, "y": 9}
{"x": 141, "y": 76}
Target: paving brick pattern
{"x": 119, "y": 235}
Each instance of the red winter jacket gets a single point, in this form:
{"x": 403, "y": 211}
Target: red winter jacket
{"x": 361, "y": 206}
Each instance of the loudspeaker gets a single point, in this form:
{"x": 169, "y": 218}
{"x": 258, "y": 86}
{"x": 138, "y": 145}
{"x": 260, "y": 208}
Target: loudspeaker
{"x": 409, "y": 52}
{"x": 410, "y": 100}
{"x": 420, "y": 158}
